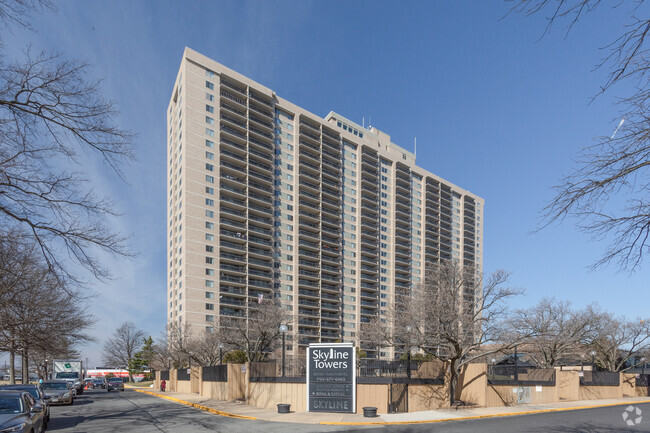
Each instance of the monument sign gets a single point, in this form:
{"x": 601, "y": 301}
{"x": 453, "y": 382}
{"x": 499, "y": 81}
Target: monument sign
{"x": 331, "y": 377}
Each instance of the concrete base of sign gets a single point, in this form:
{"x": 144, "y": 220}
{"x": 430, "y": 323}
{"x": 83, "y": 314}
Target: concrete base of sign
{"x": 284, "y": 408}
{"x": 370, "y": 412}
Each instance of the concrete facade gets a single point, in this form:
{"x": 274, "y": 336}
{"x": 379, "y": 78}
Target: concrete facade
{"x": 268, "y": 200}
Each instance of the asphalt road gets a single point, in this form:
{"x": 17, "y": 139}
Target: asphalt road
{"x": 99, "y": 411}
{"x": 129, "y": 411}
{"x": 598, "y": 420}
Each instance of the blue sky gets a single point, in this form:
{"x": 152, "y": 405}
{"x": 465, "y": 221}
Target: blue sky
{"x": 495, "y": 109}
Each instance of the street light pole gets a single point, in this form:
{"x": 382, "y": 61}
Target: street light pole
{"x": 283, "y": 330}
{"x": 593, "y": 362}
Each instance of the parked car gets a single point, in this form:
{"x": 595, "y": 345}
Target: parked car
{"x": 19, "y": 413}
{"x": 36, "y": 392}
{"x": 115, "y": 383}
{"x": 58, "y": 392}
{"x": 99, "y": 383}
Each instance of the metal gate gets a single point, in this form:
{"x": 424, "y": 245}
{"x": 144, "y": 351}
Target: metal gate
{"x": 398, "y": 397}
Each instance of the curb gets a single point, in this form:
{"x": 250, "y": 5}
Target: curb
{"x": 465, "y": 418}
{"x": 432, "y": 421}
{"x": 196, "y": 405}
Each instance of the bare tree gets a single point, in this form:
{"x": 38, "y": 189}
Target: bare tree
{"x": 618, "y": 340}
{"x": 617, "y": 166}
{"x": 452, "y": 316}
{"x": 259, "y": 335}
{"x": 120, "y": 349}
{"x": 17, "y": 12}
{"x": 204, "y": 349}
{"x": 553, "y": 331}
{"x": 52, "y": 116}
{"x": 43, "y": 315}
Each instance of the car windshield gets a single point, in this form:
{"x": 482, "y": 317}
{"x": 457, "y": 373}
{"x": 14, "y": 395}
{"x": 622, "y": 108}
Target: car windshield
{"x": 115, "y": 380}
{"x": 70, "y": 375}
{"x": 10, "y": 405}
{"x": 54, "y": 385}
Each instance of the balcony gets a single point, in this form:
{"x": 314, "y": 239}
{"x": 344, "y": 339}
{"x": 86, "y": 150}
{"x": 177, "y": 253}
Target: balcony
{"x": 260, "y": 219}
{"x": 261, "y": 144}
{"x": 230, "y": 144}
{"x": 329, "y": 306}
{"x": 234, "y": 257}
{"x": 260, "y": 176}
{"x": 240, "y": 236}
{"x": 325, "y": 257}
{"x": 233, "y": 132}
{"x": 308, "y": 303}
{"x": 307, "y": 283}
{"x": 261, "y": 99}
{"x": 233, "y": 280}
{"x": 302, "y": 252}
{"x": 309, "y": 293}
{"x": 261, "y": 122}
{"x": 233, "y": 121}
{"x": 233, "y": 98}
{"x": 259, "y": 251}
{"x": 257, "y": 109}
{"x": 232, "y": 290}
{"x": 259, "y": 283}
{"x": 307, "y": 263}
{"x": 258, "y": 262}
{"x": 308, "y": 274}
{"x": 231, "y": 312}
{"x": 309, "y": 313}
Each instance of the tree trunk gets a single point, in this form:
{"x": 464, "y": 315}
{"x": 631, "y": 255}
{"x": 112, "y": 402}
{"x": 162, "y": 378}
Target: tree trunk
{"x": 12, "y": 361}
{"x": 25, "y": 368}
{"x": 453, "y": 380}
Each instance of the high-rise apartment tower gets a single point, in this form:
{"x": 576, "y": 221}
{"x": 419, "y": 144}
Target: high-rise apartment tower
{"x": 266, "y": 199}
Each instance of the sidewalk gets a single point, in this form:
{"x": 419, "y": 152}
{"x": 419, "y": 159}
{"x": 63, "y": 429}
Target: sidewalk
{"x": 243, "y": 411}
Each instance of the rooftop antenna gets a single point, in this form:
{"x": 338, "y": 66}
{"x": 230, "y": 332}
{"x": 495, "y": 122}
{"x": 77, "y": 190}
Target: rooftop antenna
{"x": 415, "y": 146}
{"x": 369, "y": 122}
{"x": 363, "y": 121}
{"x": 617, "y": 128}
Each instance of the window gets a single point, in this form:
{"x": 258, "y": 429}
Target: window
{"x": 209, "y": 283}
{"x": 209, "y": 202}
{"x": 209, "y": 132}
{"x": 209, "y": 248}
{"x": 209, "y": 179}
{"x": 209, "y": 167}
{"x": 209, "y": 120}
{"x": 209, "y": 237}
{"x": 209, "y": 108}
{"x": 209, "y": 155}
{"x": 209, "y": 318}
{"x": 209, "y": 271}
{"x": 209, "y": 307}
{"x": 209, "y": 260}
{"x": 209, "y": 190}
{"x": 209, "y": 85}
{"x": 209, "y": 143}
